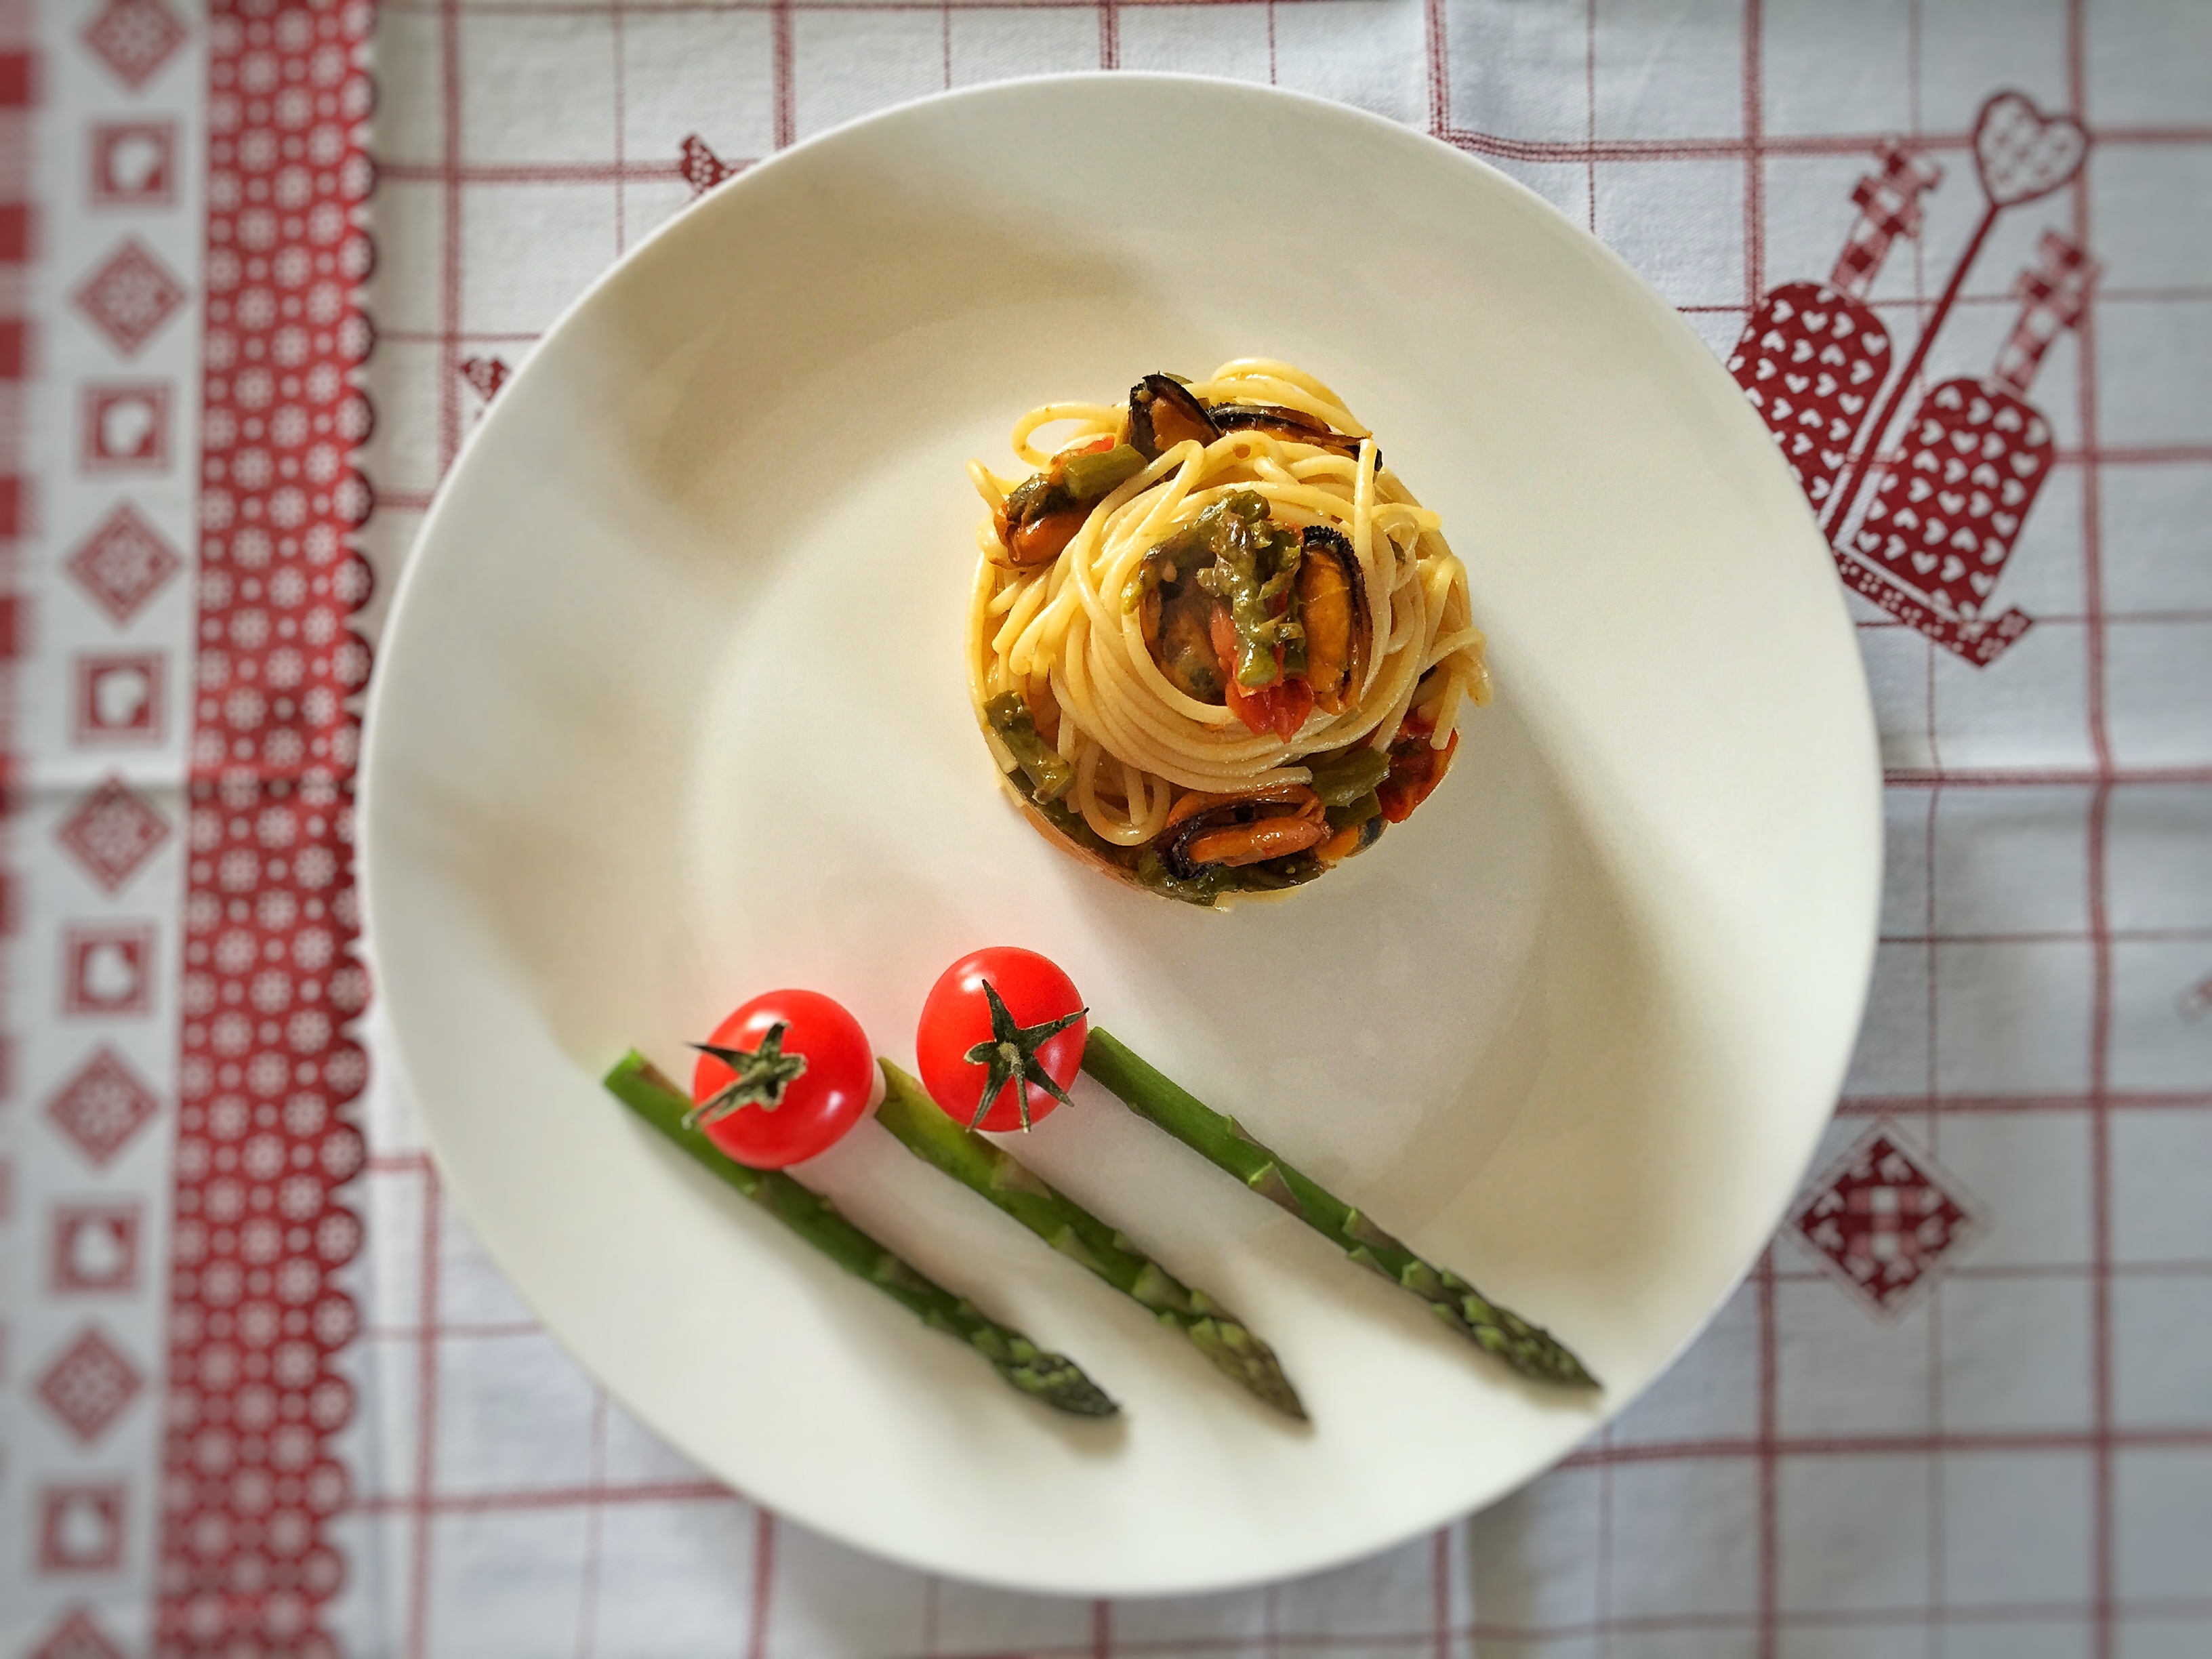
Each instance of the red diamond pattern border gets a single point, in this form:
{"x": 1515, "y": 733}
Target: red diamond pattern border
{"x": 102, "y": 1107}
{"x": 131, "y": 297}
{"x": 76, "y": 1637}
{"x": 124, "y": 563}
{"x": 112, "y": 833}
{"x": 90, "y": 1385}
{"x": 134, "y": 39}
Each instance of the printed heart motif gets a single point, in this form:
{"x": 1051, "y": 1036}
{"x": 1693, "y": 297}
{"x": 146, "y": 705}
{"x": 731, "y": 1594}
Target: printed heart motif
{"x": 1796, "y": 382}
{"x": 135, "y": 162}
{"x": 95, "y": 1251}
{"x": 1832, "y": 460}
{"x": 109, "y": 972}
{"x": 2021, "y": 153}
{"x": 1869, "y": 541}
{"x": 83, "y": 1531}
{"x": 1919, "y": 490}
{"x": 117, "y": 695}
{"x": 127, "y": 427}
{"x": 1877, "y": 343}
{"x": 1951, "y": 500}
{"x": 1953, "y": 568}
{"x": 1993, "y": 551}
{"x": 2006, "y": 523}
{"x": 1781, "y": 310}
{"x": 1981, "y": 584}
{"x": 1815, "y": 321}
{"x": 2013, "y": 492}
{"x": 1923, "y": 562}
{"x": 1848, "y": 402}
{"x": 2009, "y": 419}
{"x": 2024, "y": 464}
{"x": 1948, "y": 396}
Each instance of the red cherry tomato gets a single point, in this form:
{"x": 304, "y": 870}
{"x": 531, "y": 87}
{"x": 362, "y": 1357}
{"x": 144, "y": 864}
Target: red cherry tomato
{"x": 977, "y": 1059}
{"x": 808, "y": 1070}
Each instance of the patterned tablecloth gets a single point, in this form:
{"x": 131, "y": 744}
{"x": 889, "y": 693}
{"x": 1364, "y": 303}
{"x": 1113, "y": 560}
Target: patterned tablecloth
{"x": 259, "y": 1393}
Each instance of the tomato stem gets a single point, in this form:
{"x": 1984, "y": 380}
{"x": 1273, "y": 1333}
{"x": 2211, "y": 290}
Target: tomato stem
{"x": 763, "y": 1075}
{"x": 1010, "y": 1054}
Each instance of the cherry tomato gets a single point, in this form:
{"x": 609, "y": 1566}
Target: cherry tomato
{"x": 782, "y": 1079}
{"x": 1001, "y": 1038}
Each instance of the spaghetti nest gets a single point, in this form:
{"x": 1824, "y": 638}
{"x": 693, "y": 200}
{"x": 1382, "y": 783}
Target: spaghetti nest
{"x": 1214, "y": 641}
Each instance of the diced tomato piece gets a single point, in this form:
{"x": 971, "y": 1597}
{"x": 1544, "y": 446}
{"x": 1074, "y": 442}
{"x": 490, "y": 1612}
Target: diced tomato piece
{"x": 1416, "y": 768}
{"x": 1293, "y": 700}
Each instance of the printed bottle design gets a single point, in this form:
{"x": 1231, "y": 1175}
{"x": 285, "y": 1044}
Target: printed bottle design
{"x": 1923, "y": 527}
{"x": 1945, "y": 514}
{"x": 1813, "y": 356}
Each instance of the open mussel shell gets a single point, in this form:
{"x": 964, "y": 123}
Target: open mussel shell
{"x": 1162, "y": 414}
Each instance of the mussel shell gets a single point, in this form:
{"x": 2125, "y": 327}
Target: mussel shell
{"x": 1162, "y": 414}
{"x": 1196, "y": 814}
{"x": 1288, "y": 425}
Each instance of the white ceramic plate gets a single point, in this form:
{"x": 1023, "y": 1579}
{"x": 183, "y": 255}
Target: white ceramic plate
{"x": 671, "y": 710}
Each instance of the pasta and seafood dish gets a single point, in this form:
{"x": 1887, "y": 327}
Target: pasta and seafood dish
{"x": 1214, "y": 643}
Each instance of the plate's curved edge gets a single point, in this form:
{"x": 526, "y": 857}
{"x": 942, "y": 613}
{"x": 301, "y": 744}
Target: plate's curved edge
{"x": 1661, "y": 315}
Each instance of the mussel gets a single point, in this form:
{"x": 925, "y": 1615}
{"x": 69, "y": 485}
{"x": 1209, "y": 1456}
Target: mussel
{"x": 1289, "y": 425}
{"x": 1329, "y": 606}
{"x": 1163, "y": 413}
{"x": 1174, "y": 617}
{"x": 1271, "y": 823}
{"x": 1047, "y": 508}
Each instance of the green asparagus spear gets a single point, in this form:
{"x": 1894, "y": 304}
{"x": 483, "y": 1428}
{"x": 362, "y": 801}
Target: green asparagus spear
{"x": 1052, "y": 1378}
{"x": 1222, "y": 1140}
{"x": 908, "y": 1112}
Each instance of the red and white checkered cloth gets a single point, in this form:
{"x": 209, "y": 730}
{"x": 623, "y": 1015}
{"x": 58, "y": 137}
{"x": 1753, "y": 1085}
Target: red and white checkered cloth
{"x": 263, "y": 1394}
